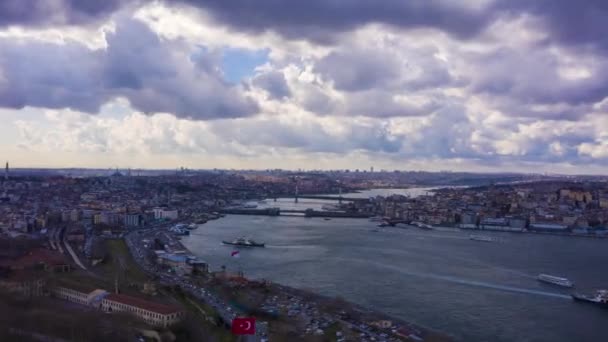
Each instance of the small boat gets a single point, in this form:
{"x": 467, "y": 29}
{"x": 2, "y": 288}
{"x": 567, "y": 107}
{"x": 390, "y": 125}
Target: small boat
{"x": 192, "y": 226}
{"x": 559, "y": 281}
{"x": 481, "y": 238}
{"x": 244, "y": 242}
{"x": 327, "y": 219}
{"x": 600, "y": 298}
{"x": 179, "y": 231}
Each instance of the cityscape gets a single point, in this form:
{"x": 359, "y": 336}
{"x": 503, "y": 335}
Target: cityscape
{"x": 321, "y": 170}
{"x": 112, "y": 241}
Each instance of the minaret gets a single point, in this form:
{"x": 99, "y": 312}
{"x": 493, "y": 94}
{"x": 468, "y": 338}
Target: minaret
{"x": 6, "y": 172}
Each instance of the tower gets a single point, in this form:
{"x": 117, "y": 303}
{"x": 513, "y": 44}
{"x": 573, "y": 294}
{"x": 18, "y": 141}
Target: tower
{"x": 6, "y": 172}
{"x": 297, "y": 192}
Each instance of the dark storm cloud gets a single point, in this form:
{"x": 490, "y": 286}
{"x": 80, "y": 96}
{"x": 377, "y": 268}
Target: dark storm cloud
{"x": 575, "y": 23}
{"x": 568, "y": 22}
{"x": 319, "y": 19}
{"x": 534, "y": 78}
{"x": 355, "y": 69}
{"x": 51, "y": 12}
{"x": 358, "y": 69}
{"x": 274, "y": 83}
{"x": 136, "y": 65}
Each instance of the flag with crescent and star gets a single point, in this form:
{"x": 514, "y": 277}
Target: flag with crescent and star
{"x": 243, "y": 326}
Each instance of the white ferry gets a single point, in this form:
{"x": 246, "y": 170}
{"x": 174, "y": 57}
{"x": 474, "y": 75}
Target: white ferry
{"x": 560, "y": 281}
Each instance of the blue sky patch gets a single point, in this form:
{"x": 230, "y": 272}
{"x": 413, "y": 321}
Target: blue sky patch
{"x": 238, "y": 64}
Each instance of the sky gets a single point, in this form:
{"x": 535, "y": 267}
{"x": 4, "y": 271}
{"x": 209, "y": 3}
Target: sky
{"x": 470, "y": 85}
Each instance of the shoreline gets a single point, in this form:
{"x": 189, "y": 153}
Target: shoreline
{"x": 353, "y": 309}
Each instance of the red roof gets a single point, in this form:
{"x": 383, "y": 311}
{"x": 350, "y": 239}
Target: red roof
{"x": 164, "y": 309}
{"x": 23, "y": 275}
{"x": 34, "y": 257}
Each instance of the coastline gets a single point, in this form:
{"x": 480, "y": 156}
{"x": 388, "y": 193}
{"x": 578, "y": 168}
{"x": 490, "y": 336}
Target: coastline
{"x": 345, "y": 309}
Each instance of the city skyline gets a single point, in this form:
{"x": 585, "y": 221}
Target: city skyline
{"x": 482, "y": 86}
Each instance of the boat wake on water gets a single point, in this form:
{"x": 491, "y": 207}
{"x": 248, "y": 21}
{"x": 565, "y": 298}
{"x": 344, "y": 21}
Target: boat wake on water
{"x": 468, "y": 282}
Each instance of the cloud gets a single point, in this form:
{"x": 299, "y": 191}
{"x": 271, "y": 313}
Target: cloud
{"x": 322, "y": 20}
{"x": 154, "y": 75}
{"x": 542, "y": 76}
{"x": 572, "y": 23}
{"x": 274, "y": 83}
{"x": 57, "y": 12}
{"x": 492, "y": 83}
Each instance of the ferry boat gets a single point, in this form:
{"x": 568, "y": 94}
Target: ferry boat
{"x": 560, "y": 281}
{"x": 600, "y": 298}
{"x": 179, "y": 231}
{"x": 481, "y": 238}
{"x": 330, "y": 207}
{"x": 244, "y": 242}
{"x": 422, "y": 225}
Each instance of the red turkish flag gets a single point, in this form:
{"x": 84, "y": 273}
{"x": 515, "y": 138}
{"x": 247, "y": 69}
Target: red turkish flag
{"x": 243, "y": 326}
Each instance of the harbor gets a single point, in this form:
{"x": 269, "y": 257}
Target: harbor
{"x": 415, "y": 274}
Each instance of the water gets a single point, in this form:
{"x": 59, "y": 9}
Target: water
{"x": 472, "y": 290}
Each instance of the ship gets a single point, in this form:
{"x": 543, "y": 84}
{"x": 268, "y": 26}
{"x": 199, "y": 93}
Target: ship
{"x": 422, "y": 225}
{"x": 179, "y": 231}
{"x": 560, "y": 281}
{"x": 481, "y": 238}
{"x": 330, "y": 207}
{"x": 600, "y": 298}
{"x": 244, "y": 242}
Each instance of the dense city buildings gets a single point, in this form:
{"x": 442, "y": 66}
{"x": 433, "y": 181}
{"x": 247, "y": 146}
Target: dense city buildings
{"x": 111, "y": 242}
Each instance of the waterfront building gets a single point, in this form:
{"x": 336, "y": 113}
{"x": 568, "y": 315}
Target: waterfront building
{"x": 155, "y": 314}
{"x": 163, "y": 213}
{"x": 548, "y": 227}
{"x": 80, "y": 295}
{"x": 133, "y": 220}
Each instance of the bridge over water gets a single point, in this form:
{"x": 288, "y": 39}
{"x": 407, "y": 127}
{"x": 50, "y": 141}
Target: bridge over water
{"x": 303, "y": 213}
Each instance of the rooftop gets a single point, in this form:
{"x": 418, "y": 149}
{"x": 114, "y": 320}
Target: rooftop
{"x": 33, "y": 257}
{"x": 160, "y": 308}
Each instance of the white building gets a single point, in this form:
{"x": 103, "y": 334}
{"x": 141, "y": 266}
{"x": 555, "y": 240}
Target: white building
{"x": 163, "y": 213}
{"x": 80, "y": 296}
{"x": 155, "y": 314}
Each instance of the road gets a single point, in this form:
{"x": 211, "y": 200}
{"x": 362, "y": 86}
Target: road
{"x": 225, "y": 311}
